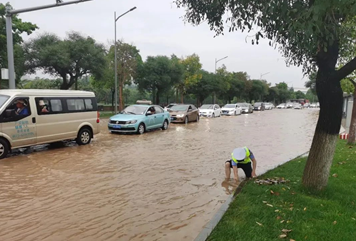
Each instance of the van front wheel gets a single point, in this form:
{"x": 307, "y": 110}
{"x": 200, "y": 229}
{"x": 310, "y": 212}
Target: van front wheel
{"x": 4, "y": 148}
{"x": 84, "y": 137}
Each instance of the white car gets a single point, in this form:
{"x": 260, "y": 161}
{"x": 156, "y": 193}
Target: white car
{"x": 269, "y": 106}
{"x": 210, "y": 110}
{"x": 313, "y": 105}
{"x": 298, "y": 106}
{"x": 231, "y": 109}
{"x": 282, "y": 106}
{"x": 289, "y": 105}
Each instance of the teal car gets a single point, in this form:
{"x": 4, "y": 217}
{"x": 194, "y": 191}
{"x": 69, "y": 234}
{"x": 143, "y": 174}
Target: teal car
{"x": 139, "y": 119}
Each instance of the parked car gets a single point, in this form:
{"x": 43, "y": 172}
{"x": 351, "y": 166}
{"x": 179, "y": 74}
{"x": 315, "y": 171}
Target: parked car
{"x": 306, "y": 105}
{"x": 231, "y": 109}
{"x": 259, "y": 106}
{"x": 168, "y": 107}
{"x": 269, "y": 106}
{"x": 34, "y": 117}
{"x": 139, "y": 119}
{"x": 298, "y": 106}
{"x": 282, "y": 106}
{"x": 184, "y": 113}
{"x": 289, "y": 105}
{"x": 210, "y": 110}
{"x": 246, "y": 107}
{"x": 313, "y": 105}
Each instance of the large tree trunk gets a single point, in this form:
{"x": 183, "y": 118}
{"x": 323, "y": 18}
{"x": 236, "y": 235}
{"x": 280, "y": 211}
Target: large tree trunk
{"x": 317, "y": 169}
{"x": 352, "y": 132}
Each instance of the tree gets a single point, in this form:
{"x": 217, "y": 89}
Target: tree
{"x": 273, "y": 95}
{"x": 158, "y": 74}
{"x": 128, "y": 62}
{"x": 236, "y": 85}
{"x": 284, "y": 93}
{"x": 70, "y": 59}
{"x": 191, "y": 76}
{"x": 258, "y": 91}
{"x": 203, "y": 88}
{"x": 39, "y": 83}
{"x": 311, "y": 83}
{"x": 310, "y": 34}
{"x": 18, "y": 28}
{"x": 299, "y": 95}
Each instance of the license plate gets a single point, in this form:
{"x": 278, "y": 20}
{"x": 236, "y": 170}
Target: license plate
{"x": 117, "y": 126}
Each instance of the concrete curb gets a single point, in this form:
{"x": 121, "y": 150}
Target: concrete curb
{"x": 208, "y": 228}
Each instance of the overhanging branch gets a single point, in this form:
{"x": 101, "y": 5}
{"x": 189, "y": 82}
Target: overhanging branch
{"x": 346, "y": 70}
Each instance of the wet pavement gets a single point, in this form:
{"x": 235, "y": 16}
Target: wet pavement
{"x": 163, "y": 185}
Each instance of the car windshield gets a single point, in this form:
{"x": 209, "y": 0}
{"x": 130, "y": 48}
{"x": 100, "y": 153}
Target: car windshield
{"x": 282, "y": 104}
{"x": 170, "y": 106}
{"x": 134, "y": 110}
{"x": 180, "y": 108}
{"x": 207, "y": 107}
{"x": 258, "y": 104}
{"x": 229, "y": 106}
{"x": 3, "y": 99}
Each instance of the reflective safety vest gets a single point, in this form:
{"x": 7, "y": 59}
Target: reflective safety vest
{"x": 247, "y": 159}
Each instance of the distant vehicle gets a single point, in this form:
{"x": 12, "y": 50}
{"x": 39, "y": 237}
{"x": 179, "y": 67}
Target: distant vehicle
{"x": 269, "y": 106}
{"x": 246, "y": 107}
{"x": 184, "y": 113}
{"x": 168, "y": 107}
{"x": 210, "y": 110}
{"x": 282, "y": 106}
{"x": 139, "y": 119}
{"x": 306, "y": 105}
{"x": 34, "y": 117}
{"x": 289, "y": 105}
{"x": 318, "y": 105}
{"x": 298, "y": 106}
{"x": 313, "y": 105}
{"x": 259, "y": 106}
{"x": 231, "y": 109}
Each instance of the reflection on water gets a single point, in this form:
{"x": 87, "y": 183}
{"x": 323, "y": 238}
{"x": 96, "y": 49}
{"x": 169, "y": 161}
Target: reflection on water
{"x": 164, "y": 185}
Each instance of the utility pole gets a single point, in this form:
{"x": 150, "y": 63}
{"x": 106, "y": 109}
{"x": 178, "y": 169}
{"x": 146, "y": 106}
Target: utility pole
{"x": 216, "y": 61}
{"x": 115, "y": 46}
{"x": 9, "y": 37}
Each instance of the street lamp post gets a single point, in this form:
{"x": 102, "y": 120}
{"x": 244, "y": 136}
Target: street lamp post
{"x": 264, "y": 75}
{"x": 216, "y": 61}
{"x": 9, "y": 37}
{"x": 117, "y": 18}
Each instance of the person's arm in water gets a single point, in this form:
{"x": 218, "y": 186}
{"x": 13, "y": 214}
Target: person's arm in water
{"x": 235, "y": 173}
{"x": 254, "y": 165}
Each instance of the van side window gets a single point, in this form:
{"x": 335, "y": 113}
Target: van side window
{"x": 75, "y": 105}
{"x": 17, "y": 110}
{"x": 43, "y": 106}
{"x": 88, "y": 104}
{"x": 56, "y": 105}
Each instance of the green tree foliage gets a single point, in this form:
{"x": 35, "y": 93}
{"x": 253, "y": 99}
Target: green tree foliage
{"x": 309, "y": 33}
{"x": 191, "y": 76}
{"x": 311, "y": 83}
{"x": 299, "y": 95}
{"x": 203, "y": 88}
{"x": 273, "y": 95}
{"x": 18, "y": 28}
{"x": 69, "y": 59}
{"x": 284, "y": 93}
{"x": 128, "y": 62}
{"x": 39, "y": 83}
{"x": 158, "y": 74}
{"x": 237, "y": 81}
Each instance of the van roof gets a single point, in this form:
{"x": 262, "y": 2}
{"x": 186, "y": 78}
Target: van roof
{"x": 46, "y": 92}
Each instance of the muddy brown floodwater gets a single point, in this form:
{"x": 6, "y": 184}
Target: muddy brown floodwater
{"x": 163, "y": 185}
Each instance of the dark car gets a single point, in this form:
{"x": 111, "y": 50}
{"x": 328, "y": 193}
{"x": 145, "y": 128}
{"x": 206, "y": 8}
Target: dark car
{"x": 259, "y": 106}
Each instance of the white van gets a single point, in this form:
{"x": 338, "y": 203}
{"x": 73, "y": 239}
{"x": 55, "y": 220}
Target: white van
{"x": 32, "y": 117}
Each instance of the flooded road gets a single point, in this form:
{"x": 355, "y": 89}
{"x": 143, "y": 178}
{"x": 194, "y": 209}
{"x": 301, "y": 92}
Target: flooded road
{"x": 163, "y": 185}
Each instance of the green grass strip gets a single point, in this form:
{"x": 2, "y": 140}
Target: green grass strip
{"x": 261, "y": 212}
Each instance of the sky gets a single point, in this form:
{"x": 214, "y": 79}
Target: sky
{"x": 157, "y": 27}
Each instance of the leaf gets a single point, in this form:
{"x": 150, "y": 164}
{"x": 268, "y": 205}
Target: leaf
{"x": 286, "y": 230}
{"x": 272, "y": 192}
{"x": 291, "y": 240}
{"x": 276, "y": 210}
{"x": 279, "y": 217}
{"x": 260, "y": 224}
{"x": 269, "y": 205}
{"x": 334, "y": 222}
{"x": 335, "y": 175}
{"x": 283, "y": 236}
{"x": 264, "y": 202}
{"x": 305, "y": 209}
{"x": 282, "y": 221}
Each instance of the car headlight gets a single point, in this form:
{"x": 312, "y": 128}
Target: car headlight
{"x": 131, "y": 122}
{"x": 181, "y": 115}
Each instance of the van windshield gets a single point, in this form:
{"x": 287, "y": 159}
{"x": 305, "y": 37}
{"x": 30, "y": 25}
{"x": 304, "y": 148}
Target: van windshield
{"x": 3, "y": 99}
